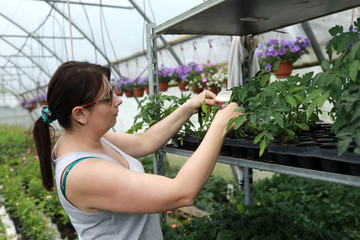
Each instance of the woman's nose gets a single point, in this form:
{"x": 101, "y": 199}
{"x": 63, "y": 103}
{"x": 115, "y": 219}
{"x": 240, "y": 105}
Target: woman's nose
{"x": 117, "y": 100}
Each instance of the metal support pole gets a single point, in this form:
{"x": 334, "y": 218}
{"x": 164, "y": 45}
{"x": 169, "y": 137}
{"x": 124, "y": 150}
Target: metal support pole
{"x": 248, "y": 182}
{"x": 151, "y": 57}
{"x": 314, "y": 43}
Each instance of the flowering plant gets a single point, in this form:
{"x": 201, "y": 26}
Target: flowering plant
{"x": 33, "y": 100}
{"x": 274, "y": 51}
{"x": 43, "y": 98}
{"x": 207, "y": 74}
{"x": 166, "y": 74}
{"x": 124, "y": 84}
{"x": 141, "y": 82}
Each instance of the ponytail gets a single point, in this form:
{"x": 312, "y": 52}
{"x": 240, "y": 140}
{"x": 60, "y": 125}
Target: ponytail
{"x": 41, "y": 136}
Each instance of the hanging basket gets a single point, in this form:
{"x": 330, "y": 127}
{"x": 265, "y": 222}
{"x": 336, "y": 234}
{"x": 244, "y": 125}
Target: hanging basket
{"x": 163, "y": 86}
{"x": 197, "y": 89}
{"x": 129, "y": 93}
{"x": 138, "y": 92}
{"x": 214, "y": 89}
{"x": 118, "y": 92}
{"x": 284, "y": 70}
{"x": 182, "y": 86}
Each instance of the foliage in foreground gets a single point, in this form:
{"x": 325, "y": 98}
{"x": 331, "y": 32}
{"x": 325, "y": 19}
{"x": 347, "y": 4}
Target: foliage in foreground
{"x": 257, "y": 223}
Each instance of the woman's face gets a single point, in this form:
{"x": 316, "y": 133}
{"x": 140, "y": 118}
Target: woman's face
{"x": 103, "y": 114}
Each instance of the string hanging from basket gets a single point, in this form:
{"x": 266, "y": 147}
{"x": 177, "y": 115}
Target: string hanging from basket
{"x": 211, "y": 51}
{"x": 182, "y": 53}
{"x": 196, "y": 57}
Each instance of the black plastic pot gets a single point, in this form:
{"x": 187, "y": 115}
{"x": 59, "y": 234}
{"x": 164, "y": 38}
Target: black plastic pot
{"x": 333, "y": 166}
{"x": 354, "y": 169}
{"x": 308, "y": 162}
{"x": 252, "y": 153}
{"x": 269, "y": 157}
{"x": 238, "y": 152}
{"x": 286, "y": 159}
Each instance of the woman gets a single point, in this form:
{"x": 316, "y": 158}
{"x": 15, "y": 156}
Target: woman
{"x": 107, "y": 194}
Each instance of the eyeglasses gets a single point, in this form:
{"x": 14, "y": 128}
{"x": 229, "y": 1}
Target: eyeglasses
{"x": 108, "y": 98}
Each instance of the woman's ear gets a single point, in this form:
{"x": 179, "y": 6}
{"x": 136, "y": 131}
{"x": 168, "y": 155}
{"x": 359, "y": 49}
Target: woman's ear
{"x": 80, "y": 115}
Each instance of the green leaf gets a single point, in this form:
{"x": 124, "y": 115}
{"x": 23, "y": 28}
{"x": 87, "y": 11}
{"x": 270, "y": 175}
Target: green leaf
{"x": 290, "y": 132}
{"x": 355, "y": 114}
{"x": 299, "y": 98}
{"x": 240, "y": 109}
{"x": 354, "y": 69}
{"x": 311, "y": 108}
{"x": 278, "y": 117}
{"x": 259, "y": 136}
{"x": 335, "y": 30}
{"x": 325, "y": 64}
{"x": 263, "y": 145}
{"x": 297, "y": 88}
{"x": 291, "y": 100}
{"x": 230, "y": 123}
{"x": 303, "y": 126}
{"x": 313, "y": 94}
{"x": 239, "y": 121}
{"x": 264, "y": 79}
{"x": 343, "y": 144}
{"x": 269, "y": 136}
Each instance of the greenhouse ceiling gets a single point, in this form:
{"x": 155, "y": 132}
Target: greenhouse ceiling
{"x": 36, "y": 37}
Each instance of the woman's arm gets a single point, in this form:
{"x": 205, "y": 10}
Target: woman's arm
{"x": 103, "y": 185}
{"x": 138, "y": 145}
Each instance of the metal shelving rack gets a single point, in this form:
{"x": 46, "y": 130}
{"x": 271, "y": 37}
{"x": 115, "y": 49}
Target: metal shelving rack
{"x": 249, "y": 18}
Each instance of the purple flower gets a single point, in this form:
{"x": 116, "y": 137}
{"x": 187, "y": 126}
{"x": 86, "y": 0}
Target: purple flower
{"x": 282, "y": 51}
{"x": 268, "y": 67}
{"x": 272, "y": 42}
{"x": 273, "y": 53}
{"x": 295, "y": 48}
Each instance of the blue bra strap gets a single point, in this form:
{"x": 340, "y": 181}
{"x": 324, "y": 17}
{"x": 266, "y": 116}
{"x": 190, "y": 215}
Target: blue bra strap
{"x": 67, "y": 172}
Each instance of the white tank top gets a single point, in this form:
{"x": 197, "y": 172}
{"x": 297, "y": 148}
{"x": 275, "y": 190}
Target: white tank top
{"x": 105, "y": 224}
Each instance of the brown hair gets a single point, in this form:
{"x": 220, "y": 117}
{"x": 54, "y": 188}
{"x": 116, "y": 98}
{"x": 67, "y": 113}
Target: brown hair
{"x": 73, "y": 84}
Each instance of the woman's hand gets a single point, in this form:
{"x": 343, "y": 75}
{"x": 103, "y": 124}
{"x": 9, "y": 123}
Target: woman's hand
{"x": 224, "y": 115}
{"x": 196, "y": 102}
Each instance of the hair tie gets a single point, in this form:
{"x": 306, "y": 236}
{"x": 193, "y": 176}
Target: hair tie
{"x": 47, "y": 115}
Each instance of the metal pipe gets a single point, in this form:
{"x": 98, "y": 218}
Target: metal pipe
{"x": 166, "y": 44}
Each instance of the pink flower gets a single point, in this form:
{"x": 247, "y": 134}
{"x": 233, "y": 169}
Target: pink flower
{"x": 204, "y": 79}
{"x": 25, "y": 162}
{"x": 22, "y": 155}
{"x": 29, "y": 151}
{"x": 24, "y": 158}
{"x": 11, "y": 169}
{"x": 174, "y": 226}
{"x": 168, "y": 212}
{"x": 212, "y": 64}
{"x": 36, "y": 157}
